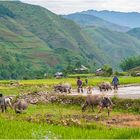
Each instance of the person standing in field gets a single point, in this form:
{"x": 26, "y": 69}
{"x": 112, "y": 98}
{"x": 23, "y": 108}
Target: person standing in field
{"x": 86, "y": 82}
{"x": 2, "y": 103}
{"x": 115, "y": 82}
{"x": 79, "y": 85}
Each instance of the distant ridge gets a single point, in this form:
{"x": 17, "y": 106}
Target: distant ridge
{"x": 91, "y": 20}
{"x": 130, "y": 19}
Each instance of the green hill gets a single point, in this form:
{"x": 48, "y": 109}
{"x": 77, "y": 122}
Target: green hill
{"x": 91, "y": 20}
{"x": 135, "y": 32}
{"x": 114, "y": 44}
{"x": 34, "y": 41}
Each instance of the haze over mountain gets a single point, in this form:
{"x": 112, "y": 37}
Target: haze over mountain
{"x": 90, "y": 20}
{"x": 131, "y": 19}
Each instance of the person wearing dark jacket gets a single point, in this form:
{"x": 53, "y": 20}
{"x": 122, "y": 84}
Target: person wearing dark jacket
{"x": 115, "y": 82}
{"x": 79, "y": 85}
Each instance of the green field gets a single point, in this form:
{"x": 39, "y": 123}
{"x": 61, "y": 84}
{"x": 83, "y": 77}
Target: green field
{"x": 92, "y": 81}
{"x": 35, "y": 124}
{"x": 47, "y": 84}
{"x": 47, "y": 120}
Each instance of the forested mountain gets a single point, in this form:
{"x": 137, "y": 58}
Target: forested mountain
{"x": 34, "y": 41}
{"x": 110, "y": 38}
{"x": 91, "y": 20}
{"x": 116, "y": 45}
{"x": 130, "y": 19}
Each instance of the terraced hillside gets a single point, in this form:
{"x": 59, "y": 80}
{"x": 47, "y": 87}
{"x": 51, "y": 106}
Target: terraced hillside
{"x": 33, "y": 40}
{"x": 116, "y": 44}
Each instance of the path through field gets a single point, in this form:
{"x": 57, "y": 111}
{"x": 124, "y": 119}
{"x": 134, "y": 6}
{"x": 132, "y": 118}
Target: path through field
{"x": 132, "y": 92}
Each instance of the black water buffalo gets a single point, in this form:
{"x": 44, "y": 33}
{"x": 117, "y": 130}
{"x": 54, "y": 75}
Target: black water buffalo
{"x": 105, "y": 86}
{"x": 66, "y": 87}
{"x": 103, "y": 102}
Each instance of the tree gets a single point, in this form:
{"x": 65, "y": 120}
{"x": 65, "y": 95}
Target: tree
{"x": 107, "y": 70}
{"x": 130, "y": 63}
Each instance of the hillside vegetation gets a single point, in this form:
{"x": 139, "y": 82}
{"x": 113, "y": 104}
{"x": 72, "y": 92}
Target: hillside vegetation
{"x": 91, "y": 20}
{"x": 113, "y": 40}
{"x": 135, "y": 32}
{"x": 33, "y": 41}
{"x": 116, "y": 45}
{"x": 132, "y": 63}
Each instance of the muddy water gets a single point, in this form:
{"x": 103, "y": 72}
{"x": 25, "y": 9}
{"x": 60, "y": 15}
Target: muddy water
{"x": 129, "y": 92}
{"x": 132, "y": 92}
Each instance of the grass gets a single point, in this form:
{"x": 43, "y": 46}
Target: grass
{"x": 92, "y": 81}
{"x": 26, "y": 130}
{"x": 45, "y": 120}
{"x": 20, "y": 129}
{"x": 15, "y": 126}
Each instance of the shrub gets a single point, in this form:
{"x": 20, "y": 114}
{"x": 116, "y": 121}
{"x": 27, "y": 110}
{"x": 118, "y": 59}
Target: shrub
{"x": 121, "y": 73}
{"x": 107, "y": 70}
{"x": 133, "y": 74}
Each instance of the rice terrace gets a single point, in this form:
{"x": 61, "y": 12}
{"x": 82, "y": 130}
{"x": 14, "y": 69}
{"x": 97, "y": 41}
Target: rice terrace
{"x": 69, "y": 69}
{"x": 53, "y": 115}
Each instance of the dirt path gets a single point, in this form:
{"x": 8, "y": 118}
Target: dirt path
{"x": 132, "y": 92}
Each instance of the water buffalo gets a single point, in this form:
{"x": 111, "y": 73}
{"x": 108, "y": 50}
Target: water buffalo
{"x": 105, "y": 86}
{"x": 20, "y": 105}
{"x": 103, "y": 102}
{"x": 66, "y": 87}
{"x": 8, "y": 102}
{"x": 91, "y": 101}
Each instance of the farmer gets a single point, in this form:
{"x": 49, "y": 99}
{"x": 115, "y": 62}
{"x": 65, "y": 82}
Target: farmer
{"x": 115, "y": 82}
{"x": 86, "y": 82}
{"x": 2, "y": 103}
{"x": 105, "y": 103}
{"x": 79, "y": 85}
